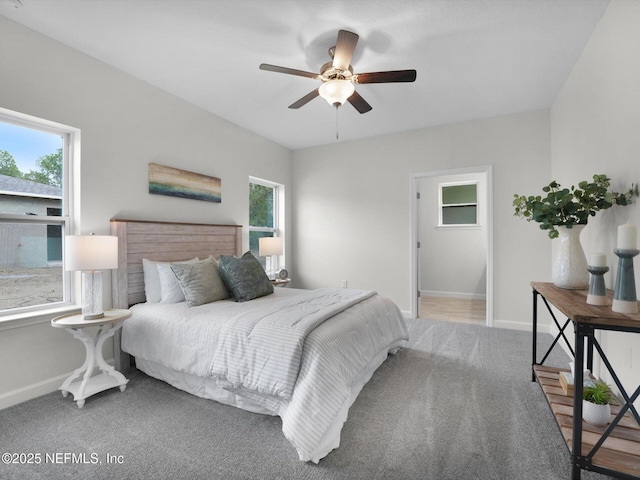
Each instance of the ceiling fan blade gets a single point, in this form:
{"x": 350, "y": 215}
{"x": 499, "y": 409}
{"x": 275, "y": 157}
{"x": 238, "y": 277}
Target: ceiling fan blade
{"x": 290, "y": 71}
{"x": 359, "y": 103}
{"x": 306, "y": 99}
{"x": 386, "y": 77}
{"x": 345, "y": 46}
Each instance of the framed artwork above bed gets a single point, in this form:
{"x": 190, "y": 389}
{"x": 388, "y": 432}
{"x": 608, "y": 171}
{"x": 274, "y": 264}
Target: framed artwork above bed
{"x": 181, "y": 183}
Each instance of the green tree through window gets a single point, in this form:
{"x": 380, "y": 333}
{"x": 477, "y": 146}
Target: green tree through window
{"x": 8, "y": 165}
{"x": 49, "y": 173}
{"x": 263, "y": 214}
{"x": 261, "y": 205}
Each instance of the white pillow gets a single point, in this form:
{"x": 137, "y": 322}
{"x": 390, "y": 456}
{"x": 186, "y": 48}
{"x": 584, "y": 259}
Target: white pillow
{"x": 152, "y": 287}
{"x": 170, "y": 289}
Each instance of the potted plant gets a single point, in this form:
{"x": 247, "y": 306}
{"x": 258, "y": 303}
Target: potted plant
{"x": 596, "y": 408}
{"x": 564, "y": 212}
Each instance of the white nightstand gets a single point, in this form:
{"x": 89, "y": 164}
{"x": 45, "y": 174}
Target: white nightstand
{"x": 280, "y": 282}
{"x": 110, "y": 377}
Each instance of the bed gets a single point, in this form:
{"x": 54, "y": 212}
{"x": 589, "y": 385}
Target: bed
{"x": 303, "y": 355}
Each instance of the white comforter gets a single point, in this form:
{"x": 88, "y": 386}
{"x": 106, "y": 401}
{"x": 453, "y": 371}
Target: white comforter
{"x": 259, "y": 351}
{"x": 339, "y": 355}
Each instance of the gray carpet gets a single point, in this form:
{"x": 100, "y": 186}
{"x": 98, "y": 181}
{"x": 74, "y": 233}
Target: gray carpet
{"x": 457, "y": 403}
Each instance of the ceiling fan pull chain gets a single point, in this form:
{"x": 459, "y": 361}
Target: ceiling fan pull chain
{"x": 337, "y": 136}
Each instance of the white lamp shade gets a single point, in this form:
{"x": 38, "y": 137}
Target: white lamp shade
{"x": 270, "y": 246}
{"x": 90, "y": 252}
{"x": 336, "y": 92}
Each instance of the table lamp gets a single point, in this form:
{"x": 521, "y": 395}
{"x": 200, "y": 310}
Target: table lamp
{"x": 91, "y": 254}
{"x": 270, "y": 246}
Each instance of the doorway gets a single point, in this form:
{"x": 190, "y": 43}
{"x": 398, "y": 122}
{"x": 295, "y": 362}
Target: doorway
{"x": 451, "y": 245}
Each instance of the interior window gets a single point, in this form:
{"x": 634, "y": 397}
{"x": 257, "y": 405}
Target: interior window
{"x": 458, "y": 204}
{"x": 34, "y": 213}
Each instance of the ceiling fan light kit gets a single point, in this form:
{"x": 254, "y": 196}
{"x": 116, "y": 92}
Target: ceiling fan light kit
{"x": 338, "y": 79}
{"x": 336, "y": 92}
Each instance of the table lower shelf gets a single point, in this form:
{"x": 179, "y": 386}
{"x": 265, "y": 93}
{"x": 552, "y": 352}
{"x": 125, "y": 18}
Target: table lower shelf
{"x": 620, "y": 451}
{"x": 96, "y": 384}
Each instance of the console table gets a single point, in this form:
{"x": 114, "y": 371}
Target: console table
{"x": 615, "y": 448}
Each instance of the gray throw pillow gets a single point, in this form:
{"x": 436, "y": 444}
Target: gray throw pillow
{"x": 244, "y": 277}
{"x": 200, "y": 282}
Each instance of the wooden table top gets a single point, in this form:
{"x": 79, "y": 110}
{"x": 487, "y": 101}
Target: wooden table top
{"x": 573, "y": 303}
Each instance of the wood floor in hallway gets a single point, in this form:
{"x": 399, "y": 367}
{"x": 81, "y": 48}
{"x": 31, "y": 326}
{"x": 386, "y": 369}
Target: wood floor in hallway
{"x": 453, "y": 309}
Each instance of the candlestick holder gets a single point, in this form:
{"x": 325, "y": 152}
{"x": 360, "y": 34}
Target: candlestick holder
{"x": 624, "y": 294}
{"x": 597, "y": 291}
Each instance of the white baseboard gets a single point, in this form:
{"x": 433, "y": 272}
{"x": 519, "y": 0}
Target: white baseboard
{"x": 549, "y": 328}
{"x": 464, "y": 296}
{"x": 511, "y": 325}
{"x": 35, "y": 390}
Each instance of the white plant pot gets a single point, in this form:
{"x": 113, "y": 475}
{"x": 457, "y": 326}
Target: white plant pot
{"x": 569, "y": 268}
{"x": 596, "y": 414}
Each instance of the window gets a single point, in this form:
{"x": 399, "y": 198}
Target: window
{"x": 266, "y": 204}
{"x": 35, "y": 209}
{"x": 458, "y": 203}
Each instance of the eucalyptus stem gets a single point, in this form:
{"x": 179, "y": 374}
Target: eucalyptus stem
{"x": 568, "y": 207}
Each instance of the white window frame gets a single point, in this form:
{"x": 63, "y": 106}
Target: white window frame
{"x": 278, "y": 214}
{"x": 70, "y": 176}
{"x": 442, "y": 206}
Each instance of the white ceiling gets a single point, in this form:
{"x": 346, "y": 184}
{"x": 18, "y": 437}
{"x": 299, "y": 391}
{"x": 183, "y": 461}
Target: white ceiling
{"x": 474, "y": 58}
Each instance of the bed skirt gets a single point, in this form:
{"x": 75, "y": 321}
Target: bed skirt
{"x": 204, "y": 387}
{"x": 207, "y": 388}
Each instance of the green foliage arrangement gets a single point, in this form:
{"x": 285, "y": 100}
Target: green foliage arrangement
{"x": 569, "y": 206}
{"x": 598, "y": 393}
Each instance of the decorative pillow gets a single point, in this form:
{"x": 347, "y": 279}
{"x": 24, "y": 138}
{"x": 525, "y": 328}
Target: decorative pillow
{"x": 244, "y": 277}
{"x": 152, "y": 289}
{"x": 200, "y": 281}
{"x": 170, "y": 289}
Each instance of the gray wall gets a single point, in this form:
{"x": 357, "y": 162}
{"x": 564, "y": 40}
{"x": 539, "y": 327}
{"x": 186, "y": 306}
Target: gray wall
{"x": 594, "y": 129}
{"x": 452, "y": 259}
{"x": 353, "y": 202}
{"x": 125, "y": 124}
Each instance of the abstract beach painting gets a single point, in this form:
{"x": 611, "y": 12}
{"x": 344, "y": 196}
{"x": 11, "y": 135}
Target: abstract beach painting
{"x": 180, "y": 183}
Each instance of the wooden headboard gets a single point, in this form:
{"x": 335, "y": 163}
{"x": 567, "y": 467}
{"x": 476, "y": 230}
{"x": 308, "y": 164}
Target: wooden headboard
{"x": 163, "y": 241}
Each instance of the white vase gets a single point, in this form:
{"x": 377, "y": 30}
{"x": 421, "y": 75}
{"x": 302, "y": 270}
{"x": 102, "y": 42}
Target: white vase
{"x": 569, "y": 268}
{"x": 596, "y": 414}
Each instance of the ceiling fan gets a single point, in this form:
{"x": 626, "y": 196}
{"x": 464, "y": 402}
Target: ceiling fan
{"x": 338, "y": 79}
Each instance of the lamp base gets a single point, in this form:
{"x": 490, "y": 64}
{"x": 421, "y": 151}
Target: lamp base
{"x": 92, "y": 295}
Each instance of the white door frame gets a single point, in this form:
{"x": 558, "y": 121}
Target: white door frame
{"x": 415, "y": 177}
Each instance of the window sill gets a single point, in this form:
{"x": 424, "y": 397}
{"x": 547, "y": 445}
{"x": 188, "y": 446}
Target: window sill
{"x": 458, "y": 227}
{"x": 20, "y": 320}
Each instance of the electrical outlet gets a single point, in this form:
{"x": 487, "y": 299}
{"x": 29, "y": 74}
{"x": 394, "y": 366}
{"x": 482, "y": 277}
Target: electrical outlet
{"x": 345, "y": 283}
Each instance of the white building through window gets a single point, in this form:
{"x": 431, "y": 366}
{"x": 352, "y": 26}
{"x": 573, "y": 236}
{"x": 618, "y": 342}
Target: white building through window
{"x": 35, "y": 212}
